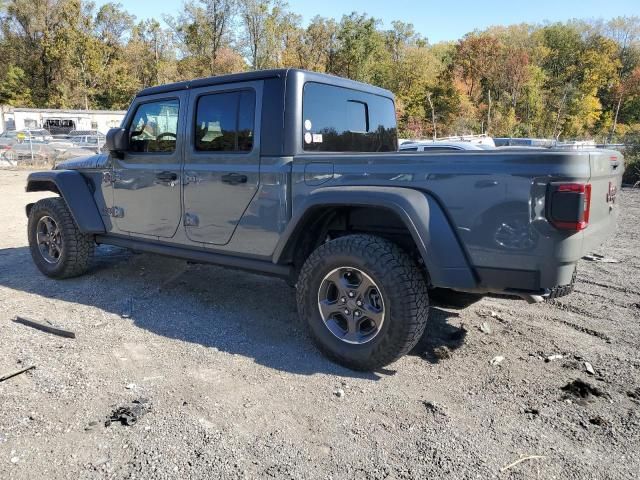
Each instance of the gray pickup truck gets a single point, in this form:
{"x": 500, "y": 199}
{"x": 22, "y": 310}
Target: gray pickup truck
{"x": 297, "y": 174}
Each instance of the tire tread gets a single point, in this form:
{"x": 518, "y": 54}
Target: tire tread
{"x": 409, "y": 285}
{"x": 78, "y": 247}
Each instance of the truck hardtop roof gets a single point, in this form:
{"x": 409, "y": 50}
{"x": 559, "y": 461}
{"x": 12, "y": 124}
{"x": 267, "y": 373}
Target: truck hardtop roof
{"x": 263, "y": 75}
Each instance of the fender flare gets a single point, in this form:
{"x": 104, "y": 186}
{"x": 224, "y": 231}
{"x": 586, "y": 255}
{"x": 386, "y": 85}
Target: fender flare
{"x": 439, "y": 247}
{"x": 73, "y": 188}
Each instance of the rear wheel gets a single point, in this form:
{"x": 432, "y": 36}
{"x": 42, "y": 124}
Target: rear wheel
{"x": 364, "y": 299}
{"x": 58, "y": 248}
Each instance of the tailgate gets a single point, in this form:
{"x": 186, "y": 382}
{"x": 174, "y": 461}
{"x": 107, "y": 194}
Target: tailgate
{"x": 607, "y": 167}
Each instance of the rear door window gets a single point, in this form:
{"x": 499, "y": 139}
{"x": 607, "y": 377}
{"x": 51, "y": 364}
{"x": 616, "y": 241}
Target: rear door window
{"x": 224, "y": 122}
{"x": 337, "y": 119}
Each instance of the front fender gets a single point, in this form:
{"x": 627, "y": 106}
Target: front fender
{"x": 430, "y": 229}
{"x": 71, "y": 186}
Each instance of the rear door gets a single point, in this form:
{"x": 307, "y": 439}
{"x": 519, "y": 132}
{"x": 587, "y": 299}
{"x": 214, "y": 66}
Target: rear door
{"x": 146, "y": 189}
{"x": 222, "y": 159}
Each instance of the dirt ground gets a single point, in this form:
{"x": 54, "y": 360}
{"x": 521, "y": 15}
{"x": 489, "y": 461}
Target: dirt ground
{"x": 229, "y": 386}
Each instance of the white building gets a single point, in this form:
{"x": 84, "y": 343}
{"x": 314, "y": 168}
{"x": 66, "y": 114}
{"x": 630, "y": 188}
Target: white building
{"x": 59, "y": 121}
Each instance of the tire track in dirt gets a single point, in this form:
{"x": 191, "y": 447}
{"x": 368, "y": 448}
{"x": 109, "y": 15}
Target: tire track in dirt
{"x": 632, "y": 306}
{"x": 579, "y": 311}
{"x": 617, "y": 288}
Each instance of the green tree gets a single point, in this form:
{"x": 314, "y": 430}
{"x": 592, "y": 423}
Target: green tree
{"x": 14, "y": 89}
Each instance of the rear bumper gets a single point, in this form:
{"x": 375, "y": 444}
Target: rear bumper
{"x": 525, "y": 284}
{"x": 527, "y": 280}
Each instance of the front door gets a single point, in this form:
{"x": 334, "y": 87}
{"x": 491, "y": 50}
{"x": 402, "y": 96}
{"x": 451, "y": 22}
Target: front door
{"x": 147, "y": 182}
{"x": 222, "y": 159}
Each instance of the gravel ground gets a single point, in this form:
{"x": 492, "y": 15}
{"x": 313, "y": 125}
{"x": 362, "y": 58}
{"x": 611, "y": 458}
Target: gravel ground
{"x": 229, "y": 385}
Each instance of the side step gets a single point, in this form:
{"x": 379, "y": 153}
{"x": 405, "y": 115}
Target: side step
{"x": 200, "y": 256}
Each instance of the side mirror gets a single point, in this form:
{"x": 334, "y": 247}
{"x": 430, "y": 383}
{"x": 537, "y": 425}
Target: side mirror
{"x": 117, "y": 140}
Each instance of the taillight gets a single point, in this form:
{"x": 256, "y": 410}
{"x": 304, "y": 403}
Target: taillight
{"x": 569, "y": 206}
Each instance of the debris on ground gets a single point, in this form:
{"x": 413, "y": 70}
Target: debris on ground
{"x": 581, "y": 389}
{"x": 496, "y": 360}
{"x": 552, "y": 358}
{"x": 528, "y": 457}
{"x": 493, "y": 314}
{"x": 598, "y": 420}
{"x": 595, "y": 257}
{"x": 532, "y": 411}
{"x": 339, "y": 393}
{"x": 128, "y": 415}
{"x": 44, "y": 328}
{"x": 433, "y": 408}
{"x": 442, "y": 352}
{"x": 14, "y": 374}
{"x": 589, "y": 368}
{"x": 485, "y": 327}
{"x": 496, "y": 315}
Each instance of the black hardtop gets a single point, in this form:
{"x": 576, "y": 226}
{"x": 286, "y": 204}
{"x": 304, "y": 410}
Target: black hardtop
{"x": 281, "y": 73}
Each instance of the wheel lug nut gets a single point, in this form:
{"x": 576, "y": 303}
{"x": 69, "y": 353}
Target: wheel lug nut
{"x": 357, "y": 314}
{"x": 359, "y": 303}
{"x": 346, "y": 311}
{"x": 351, "y": 294}
{"x": 343, "y": 299}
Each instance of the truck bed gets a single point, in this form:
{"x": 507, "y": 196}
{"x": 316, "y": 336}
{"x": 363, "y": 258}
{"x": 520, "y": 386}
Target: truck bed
{"x": 497, "y": 203}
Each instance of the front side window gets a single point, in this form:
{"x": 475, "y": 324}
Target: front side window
{"x": 337, "y": 119}
{"x": 155, "y": 127}
{"x": 225, "y": 122}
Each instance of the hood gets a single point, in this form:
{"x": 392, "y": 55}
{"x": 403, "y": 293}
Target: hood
{"x": 90, "y": 161}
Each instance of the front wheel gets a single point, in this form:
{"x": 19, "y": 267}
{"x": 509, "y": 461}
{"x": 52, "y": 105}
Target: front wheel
{"x": 364, "y": 299}
{"x": 58, "y": 248}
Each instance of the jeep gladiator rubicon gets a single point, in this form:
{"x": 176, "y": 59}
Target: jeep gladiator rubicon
{"x": 297, "y": 174}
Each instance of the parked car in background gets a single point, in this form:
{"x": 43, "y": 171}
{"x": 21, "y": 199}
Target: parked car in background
{"x": 438, "y": 146}
{"x": 91, "y": 142}
{"x": 35, "y": 135}
{"x": 8, "y": 137}
{"x": 77, "y": 133}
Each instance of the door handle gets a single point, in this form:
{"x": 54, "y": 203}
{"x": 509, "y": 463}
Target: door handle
{"x": 234, "y": 178}
{"x": 167, "y": 176}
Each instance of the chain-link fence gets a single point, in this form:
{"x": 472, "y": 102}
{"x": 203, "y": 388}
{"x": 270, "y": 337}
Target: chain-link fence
{"x": 27, "y": 154}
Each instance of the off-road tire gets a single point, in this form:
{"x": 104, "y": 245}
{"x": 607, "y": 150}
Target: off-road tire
{"x": 402, "y": 286}
{"x": 77, "y": 247}
{"x": 563, "y": 290}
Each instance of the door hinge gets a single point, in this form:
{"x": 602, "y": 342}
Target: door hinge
{"x": 116, "y": 212}
{"x": 191, "y": 220}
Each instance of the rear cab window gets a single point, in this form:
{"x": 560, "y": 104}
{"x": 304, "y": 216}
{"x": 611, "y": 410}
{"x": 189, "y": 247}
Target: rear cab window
{"x": 337, "y": 119}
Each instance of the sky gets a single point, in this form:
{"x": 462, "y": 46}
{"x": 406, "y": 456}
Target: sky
{"x": 436, "y": 20}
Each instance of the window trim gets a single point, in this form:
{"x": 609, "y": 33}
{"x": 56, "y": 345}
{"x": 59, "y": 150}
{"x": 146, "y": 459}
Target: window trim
{"x": 130, "y": 122}
{"x": 194, "y": 122}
